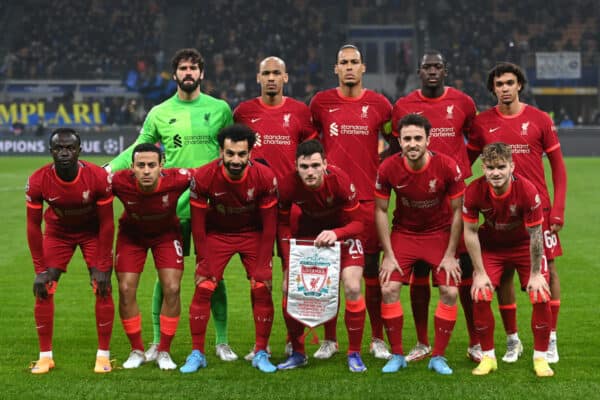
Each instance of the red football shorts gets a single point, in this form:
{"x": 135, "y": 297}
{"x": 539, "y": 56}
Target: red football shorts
{"x": 410, "y": 248}
{"x": 495, "y": 261}
{"x": 223, "y": 246}
{"x": 59, "y": 248}
{"x": 132, "y": 250}
{"x": 552, "y": 247}
{"x": 368, "y": 237}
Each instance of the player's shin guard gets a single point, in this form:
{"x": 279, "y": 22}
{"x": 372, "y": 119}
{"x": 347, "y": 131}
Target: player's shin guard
{"x": 168, "y": 328}
{"x": 466, "y": 301}
{"x": 393, "y": 321}
{"x": 157, "y": 301}
{"x": 540, "y": 325}
{"x": 373, "y": 304}
{"x": 133, "y": 329}
{"x": 508, "y": 312}
{"x": 355, "y": 323}
{"x": 262, "y": 308}
{"x": 295, "y": 331}
{"x": 554, "y": 308}
{"x": 484, "y": 324}
{"x": 444, "y": 321}
{"x": 218, "y": 306}
{"x": 200, "y": 313}
{"x": 105, "y": 317}
{"x": 44, "y": 321}
{"x": 420, "y": 295}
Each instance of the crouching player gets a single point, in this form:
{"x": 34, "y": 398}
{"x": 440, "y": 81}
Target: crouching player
{"x": 79, "y": 213}
{"x": 328, "y": 203}
{"x": 510, "y": 237}
{"x": 149, "y": 195}
{"x": 234, "y": 211}
{"x": 426, "y": 228}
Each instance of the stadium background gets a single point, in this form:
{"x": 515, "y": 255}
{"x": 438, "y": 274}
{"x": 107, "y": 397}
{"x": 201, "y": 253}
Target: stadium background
{"x": 101, "y": 65}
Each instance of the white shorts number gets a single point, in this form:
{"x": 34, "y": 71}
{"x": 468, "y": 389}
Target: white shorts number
{"x": 178, "y": 248}
{"x": 550, "y": 239}
{"x": 355, "y": 246}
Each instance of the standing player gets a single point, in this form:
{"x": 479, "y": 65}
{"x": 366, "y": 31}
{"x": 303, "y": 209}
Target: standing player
{"x": 79, "y": 213}
{"x": 451, "y": 114}
{"x": 149, "y": 195}
{"x": 510, "y": 237}
{"x": 186, "y": 125}
{"x": 426, "y": 227}
{"x": 329, "y": 212}
{"x": 530, "y": 133}
{"x": 233, "y": 212}
{"x": 350, "y": 119}
{"x": 280, "y": 122}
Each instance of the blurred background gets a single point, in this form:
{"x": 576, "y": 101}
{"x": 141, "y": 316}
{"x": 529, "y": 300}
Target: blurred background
{"x": 101, "y": 65}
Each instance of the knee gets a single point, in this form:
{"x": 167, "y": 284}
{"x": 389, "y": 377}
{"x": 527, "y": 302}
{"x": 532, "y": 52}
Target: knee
{"x": 171, "y": 289}
{"x": 352, "y": 290}
{"x": 389, "y": 293}
{"x": 126, "y": 291}
{"x": 448, "y": 294}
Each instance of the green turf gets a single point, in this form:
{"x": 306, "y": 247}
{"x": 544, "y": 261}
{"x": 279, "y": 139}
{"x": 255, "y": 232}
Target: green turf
{"x": 577, "y": 374}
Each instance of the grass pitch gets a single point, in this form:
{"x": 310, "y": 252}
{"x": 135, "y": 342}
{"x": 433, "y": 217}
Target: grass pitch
{"x": 577, "y": 374}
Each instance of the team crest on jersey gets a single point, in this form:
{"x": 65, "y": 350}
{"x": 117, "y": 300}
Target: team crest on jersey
{"x": 450, "y": 112}
{"x": 165, "y": 200}
{"x": 250, "y": 194}
{"x": 220, "y": 208}
{"x": 86, "y": 196}
{"x": 538, "y": 202}
{"x": 184, "y": 171}
{"x": 334, "y": 129}
{"x": 432, "y": 184}
{"x": 329, "y": 200}
{"x": 405, "y": 202}
{"x": 524, "y": 127}
{"x": 258, "y": 141}
{"x": 207, "y": 118}
{"x": 364, "y": 112}
{"x": 513, "y": 210}
{"x": 286, "y": 120}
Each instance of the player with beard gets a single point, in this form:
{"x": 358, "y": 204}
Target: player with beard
{"x": 530, "y": 133}
{"x": 350, "y": 119}
{"x": 280, "y": 124}
{"x": 451, "y": 114}
{"x": 234, "y": 212}
{"x": 427, "y": 226}
{"x": 79, "y": 212}
{"x": 186, "y": 125}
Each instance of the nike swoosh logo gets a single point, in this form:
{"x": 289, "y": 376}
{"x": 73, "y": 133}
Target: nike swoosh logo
{"x": 104, "y": 323}
{"x": 333, "y": 110}
{"x": 355, "y": 257}
{"x": 217, "y": 194}
{"x": 418, "y": 112}
{"x": 484, "y": 210}
{"x": 401, "y": 186}
{"x": 492, "y": 130}
{"x": 131, "y": 202}
{"x": 253, "y": 120}
{"x": 179, "y": 261}
{"x": 53, "y": 198}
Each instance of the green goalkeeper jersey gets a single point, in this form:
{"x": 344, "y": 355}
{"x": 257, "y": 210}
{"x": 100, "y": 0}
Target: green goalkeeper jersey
{"x": 187, "y": 130}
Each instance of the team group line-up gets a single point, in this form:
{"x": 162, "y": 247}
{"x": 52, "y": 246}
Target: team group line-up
{"x": 277, "y": 169}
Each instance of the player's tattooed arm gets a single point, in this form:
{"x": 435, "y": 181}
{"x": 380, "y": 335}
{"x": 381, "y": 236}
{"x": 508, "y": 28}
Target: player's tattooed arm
{"x": 536, "y": 247}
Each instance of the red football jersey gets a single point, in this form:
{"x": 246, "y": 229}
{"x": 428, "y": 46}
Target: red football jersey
{"x": 450, "y": 115}
{"x": 507, "y": 215}
{"x": 423, "y": 196}
{"x": 234, "y": 206}
{"x": 279, "y": 130}
{"x": 350, "y": 130}
{"x": 530, "y": 134}
{"x": 150, "y": 213}
{"x": 72, "y": 205}
{"x": 325, "y": 208}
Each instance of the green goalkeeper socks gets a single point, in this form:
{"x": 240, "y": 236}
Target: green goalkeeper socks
{"x": 157, "y": 299}
{"x": 218, "y": 306}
